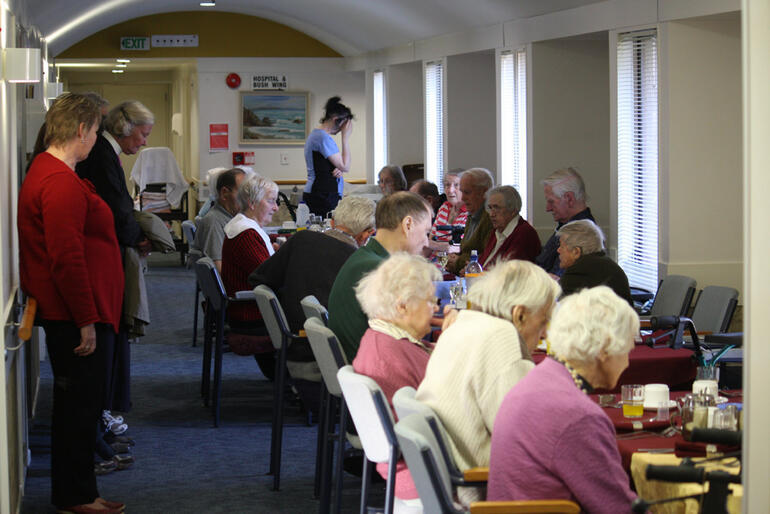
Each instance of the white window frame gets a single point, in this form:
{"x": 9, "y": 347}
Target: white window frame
{"x": 513, "y": 116}
{"x": 435, "y": 120}
{"x": 379, "y": 119}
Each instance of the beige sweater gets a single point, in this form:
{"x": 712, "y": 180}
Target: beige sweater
{"x": 475, "y": 363}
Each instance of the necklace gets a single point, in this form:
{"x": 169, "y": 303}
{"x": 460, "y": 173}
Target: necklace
{"x": 580, "y": 382}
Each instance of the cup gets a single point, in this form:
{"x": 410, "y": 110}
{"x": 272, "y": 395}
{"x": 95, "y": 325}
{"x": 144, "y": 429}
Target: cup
{"x": 705, "y": 387}
{"x": 726, "y": 417}
{"x": 707, "y": 373}
{"x": 633, "y": 400}
{"x": 655, "y": 395}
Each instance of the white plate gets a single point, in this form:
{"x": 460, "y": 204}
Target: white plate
{"x": 671, "y": 405}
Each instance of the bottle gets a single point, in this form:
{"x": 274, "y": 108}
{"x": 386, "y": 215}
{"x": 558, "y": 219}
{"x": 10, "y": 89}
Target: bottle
{"x": 303, "y": 215}
{"x": 473, "y": 270}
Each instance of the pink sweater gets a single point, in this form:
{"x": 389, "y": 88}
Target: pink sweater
{"x": 551, "y": 441}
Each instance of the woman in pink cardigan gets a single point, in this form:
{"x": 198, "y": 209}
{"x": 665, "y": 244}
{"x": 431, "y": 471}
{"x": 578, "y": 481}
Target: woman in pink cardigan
{"x": 398, "y": 298}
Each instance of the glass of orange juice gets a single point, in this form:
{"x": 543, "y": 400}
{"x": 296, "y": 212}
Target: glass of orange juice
{"x": 633, "y": 400}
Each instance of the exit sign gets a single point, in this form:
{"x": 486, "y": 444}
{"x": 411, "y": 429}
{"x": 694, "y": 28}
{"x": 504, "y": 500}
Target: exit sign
{"x": 134, "y": 43}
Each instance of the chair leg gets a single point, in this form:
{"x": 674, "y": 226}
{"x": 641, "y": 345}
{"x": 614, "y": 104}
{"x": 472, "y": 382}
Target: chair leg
{"x": 390, "y": 487}
{"x": 366, "y": 479}
{"x": 277, "y": 432}
{"x": 340, "y": 471}
{"x": 195, "y": 315}
{"x": 206, "y": 371}
{"x": 326, "y": 456}
{"x": 218, "y": 364}
{"x": 320, "y": 441}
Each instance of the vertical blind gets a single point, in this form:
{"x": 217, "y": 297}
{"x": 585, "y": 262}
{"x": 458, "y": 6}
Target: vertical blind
{"x": 637, "y": 126}
{"x": 380, "y": 123}
{"x": 513, "y": 122}
{"x": 434, "y": 123}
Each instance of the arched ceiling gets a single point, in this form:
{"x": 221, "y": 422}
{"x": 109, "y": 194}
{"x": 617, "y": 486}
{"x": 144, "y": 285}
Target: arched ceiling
{"x": 351, "y": 27}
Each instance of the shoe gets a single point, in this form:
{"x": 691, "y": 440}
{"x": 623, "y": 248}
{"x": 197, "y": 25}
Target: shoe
{"x": 120, "y": 447}
{"x": 107, "y": 417}
{"x": 123, "y": 461}
{"x": 105, "y": 467}
{"x": 112, "y": 438}
{"x": 117, "y": 428}
{"x": 85, "y": 509}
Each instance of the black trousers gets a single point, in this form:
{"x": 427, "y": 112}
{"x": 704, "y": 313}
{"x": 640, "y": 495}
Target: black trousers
{"x": 321, "y": 203}
{"x": 77, "y": 404}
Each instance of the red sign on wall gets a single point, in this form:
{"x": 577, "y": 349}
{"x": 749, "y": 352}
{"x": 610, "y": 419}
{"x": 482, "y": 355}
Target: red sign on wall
{"x": 218, "y": 137}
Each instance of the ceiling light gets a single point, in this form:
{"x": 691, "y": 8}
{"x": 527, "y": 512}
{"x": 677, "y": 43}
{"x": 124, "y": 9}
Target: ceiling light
{"x": 117, "y": 71}
{"x": 121, "y": 65}
{"x": 123, "y": 60}
{"x": 210, "y": 3}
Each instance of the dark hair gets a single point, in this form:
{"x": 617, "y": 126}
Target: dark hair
{"x": 392, "y": 209}
{"x": 227, "y": 178}
{"x": 425, "y": 188}
{"x": 397, "y": 174}
{"x": 337, "y": 111}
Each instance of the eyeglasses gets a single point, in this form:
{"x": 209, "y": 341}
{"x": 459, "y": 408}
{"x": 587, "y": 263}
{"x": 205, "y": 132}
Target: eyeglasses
{"x": 495, "y": 208}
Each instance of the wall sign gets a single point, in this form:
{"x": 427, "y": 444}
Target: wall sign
{"x": 267, "y": 82}
{"x": 134, "y": 43}
{"x": 218, "y": 140}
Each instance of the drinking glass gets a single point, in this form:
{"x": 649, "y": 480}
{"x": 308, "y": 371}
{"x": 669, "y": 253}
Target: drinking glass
{"x": 456, "y": 294}
{"x": 633, "y": 400}
{"x": 442, "y": 258}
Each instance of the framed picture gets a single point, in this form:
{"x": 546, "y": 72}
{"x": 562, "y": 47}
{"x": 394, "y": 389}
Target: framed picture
{"x": 274, "y": 118}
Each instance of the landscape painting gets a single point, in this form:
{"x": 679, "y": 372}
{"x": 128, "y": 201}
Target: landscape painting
{"x": 270, "y": 117}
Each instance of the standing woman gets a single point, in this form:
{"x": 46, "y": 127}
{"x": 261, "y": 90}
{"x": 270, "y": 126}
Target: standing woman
{"x": 70, "y": 262}
{"x": 325, "y": 163}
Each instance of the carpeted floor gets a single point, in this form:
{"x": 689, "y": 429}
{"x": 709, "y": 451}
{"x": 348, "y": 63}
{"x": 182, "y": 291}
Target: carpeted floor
{"x": 183, "y": 464}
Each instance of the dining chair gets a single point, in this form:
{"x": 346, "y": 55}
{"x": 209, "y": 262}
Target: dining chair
{"x": 674, "y": 296}
{"x": 434, "y": 485}
{"x": 374, "y": 423}
{"x": 189, "y": 229}
{"x": 330, "y": 357}
{"x": 313, "y": 309}
{"x": 714, "y": 309}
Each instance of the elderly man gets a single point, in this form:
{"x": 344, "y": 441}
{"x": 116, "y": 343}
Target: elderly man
{"x": 391, "y": 179}
{"x": 582, "y": 257}
{"x": 293, "y": 273}
{"x": 513, "y": 237}
{"x": 403, "y": 223}
{"x": 429, "y": 191}
{"x": 211, "y": 228}
{"x": 474, "y": 184}
{"x": 565, "y": 199}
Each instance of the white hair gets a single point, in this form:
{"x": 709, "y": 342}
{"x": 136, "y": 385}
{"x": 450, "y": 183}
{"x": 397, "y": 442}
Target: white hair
{"x": 126, "y": 116}
{"x": 254, "y": 188}
{"x": 399, "y": 280}
{"x": 566, "y": 180}
{"x": 592, "y": 320}
{"x": 511, "y": 197}
{"x": 583, "y": 234}
{"x": 356, "y": 213}
{"x": 510, "y": 284}
{"x": 482, "y": 177}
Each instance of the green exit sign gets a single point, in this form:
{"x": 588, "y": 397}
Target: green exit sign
{"x": 135, "y": 43}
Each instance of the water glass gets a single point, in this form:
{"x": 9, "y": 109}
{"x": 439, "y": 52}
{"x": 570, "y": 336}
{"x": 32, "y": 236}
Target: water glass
{"x": 633, "y": 400}
{"x": 726, "y": 418}
{"x": 456, "y": 294}
{"x": 707, "y": 373}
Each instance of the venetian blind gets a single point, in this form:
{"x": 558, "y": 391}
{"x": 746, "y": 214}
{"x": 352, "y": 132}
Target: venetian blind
{"x": 434, "y": 123}
{"x": 513, "y": 122}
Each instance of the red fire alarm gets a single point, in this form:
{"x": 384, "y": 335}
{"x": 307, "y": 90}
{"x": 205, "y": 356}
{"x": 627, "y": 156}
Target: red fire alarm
{"x": 233, "y": 80}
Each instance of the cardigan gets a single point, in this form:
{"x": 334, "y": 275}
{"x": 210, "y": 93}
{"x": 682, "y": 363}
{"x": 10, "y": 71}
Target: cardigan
{"x": 549, "y": 256}
{"x": 69, "y": 257}
{"x": 240, "y": 256}
{"x": 595, "y": 269}
{"x": 551, "y": 441}
{"x": 523, "y": 244}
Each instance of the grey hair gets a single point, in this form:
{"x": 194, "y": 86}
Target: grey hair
{"x": 566, "y": 180}
{"x": 397, "y": 174}
{"x": 510, "y": 284}
{"x": 592, "y": 320}
{"x": 583, "y": 234}
{"x": 482, "y": 177}
{"x": 511, "y": 197}
{"x": 399, "y": 280}
{"x": 124, "y": 117}
{"x": 356, "y": 213}
{"x": 98, "y": 99}
{"x": 253, "y": 189}
{"x": 455, "y": 172}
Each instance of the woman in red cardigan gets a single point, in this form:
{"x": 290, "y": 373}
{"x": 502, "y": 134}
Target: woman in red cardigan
{"x": 70, "y": 262}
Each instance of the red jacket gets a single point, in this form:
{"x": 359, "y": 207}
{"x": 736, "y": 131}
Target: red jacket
{"x": 240, "y": 256}
{"x": 68, "y": 253}
{"x": 523, "y": 244}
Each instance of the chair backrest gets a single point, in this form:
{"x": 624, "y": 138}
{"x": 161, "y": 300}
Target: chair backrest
{"x": 189, "y": 229}
{"x": 211, "y": 283}
{"x": 370, "y": 412}
{"x": 327, "y": 352}
{"x": 674, "y": 296}
{"x": 423, "y": 458}
{"x": 715, "y": 307}
{"x": 313, "y": 309}
{"x": 272, "y": 314}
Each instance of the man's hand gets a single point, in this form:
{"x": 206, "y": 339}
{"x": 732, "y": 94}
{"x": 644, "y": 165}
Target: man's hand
{"x": 87, "y": 341}
{"x": 144, "y": 247}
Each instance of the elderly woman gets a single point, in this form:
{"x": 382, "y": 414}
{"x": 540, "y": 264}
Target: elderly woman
{"x": 451, "y": 212}
{"x": 70, "y": 262}
{"x": 550, "y": 440}
{"x": 513, "y": 237}
{"x": 486, "y": 352}
{"x": 391, "y": 179}
{"x": 398, "y": 298}
{"x": 246, "y": 243}
{"x": 581, "y": 255}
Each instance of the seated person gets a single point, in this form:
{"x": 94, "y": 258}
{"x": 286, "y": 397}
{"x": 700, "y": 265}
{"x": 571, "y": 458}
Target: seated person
{"x": 513, "y": 237}
{"x": 474, "y": 184}
{"x": 550, "y": 440}
{"x": 308, "y": 262}
{"x": 210, "y": 232}
{"x": 429, "y": 192}
{"x": 451, "y": 212}
{"x": 582, "y": 257}
{"x": 403, "y": 222}
{"x": 484, "y": 353}
{"x": 391, "y": 179}
{"x": 398, "y": 298}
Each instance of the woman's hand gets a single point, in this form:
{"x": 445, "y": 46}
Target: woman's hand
{"x": 337, "y": 173}
{"x": 450, "y": 316}
{"x": 87, "y": 341}
{"x": 347, "y": 128}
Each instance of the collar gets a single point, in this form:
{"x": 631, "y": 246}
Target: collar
{"x": 396, "y": 332}
{"x": 241, "y": 223}
{"x": 376, "y": 248}
{"x": 508, "y": 230}
{"x": 113, "y": 143}
{"x": 221, "y": 208}
{"x": 341, "y": 236}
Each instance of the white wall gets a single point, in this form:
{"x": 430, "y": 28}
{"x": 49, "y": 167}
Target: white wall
{"x": 406, "y": 104}
{"x": 323, "y": 78}
{"x": 571, "y": 122}
{"x": 700, "y": 175}
{"x": 471, "y": 123}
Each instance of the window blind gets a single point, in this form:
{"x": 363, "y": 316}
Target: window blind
{"x": 380, "y": 121}
{"x": 637, "y": 126}
{"x": 434, "y": 123}
{"x": 513, "y": 122}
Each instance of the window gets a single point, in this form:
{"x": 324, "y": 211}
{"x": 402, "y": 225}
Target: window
{"x": 434, "y": 123}
{"x": 513, "y": 122}
{"x": 637, "y": 137}
{"x": 380, "y": 122}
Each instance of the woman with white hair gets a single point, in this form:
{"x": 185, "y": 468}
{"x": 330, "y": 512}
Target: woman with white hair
{"x": 398, "y": 298}
{"x": 484, "y": 353}
{"x": 550, "y": 440}
{"x": 451, "y": 212}
{"x": 582, "y": 256}
{"x": 246, "y": 243}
